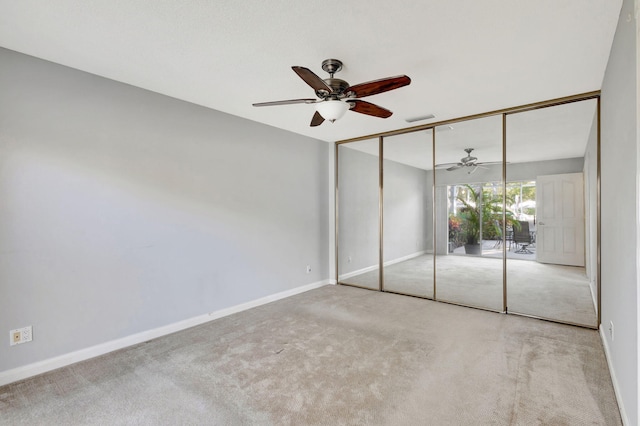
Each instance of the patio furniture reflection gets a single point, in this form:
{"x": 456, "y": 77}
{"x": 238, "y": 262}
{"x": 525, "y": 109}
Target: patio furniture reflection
{"x": 522, "y": 238}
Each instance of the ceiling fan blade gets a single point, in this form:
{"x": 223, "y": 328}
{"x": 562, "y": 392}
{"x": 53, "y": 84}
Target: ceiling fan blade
{"x": 443, "y": 165}
{"x": 488, "y": 163}
{"x": 456, "y": 167}
{"x": 378, "y": 86}
{"x": 364, "y": 107}
{"x": 312, "y": 79}
{"x": 317, "y": 119}
{"x": 287, "y": 102}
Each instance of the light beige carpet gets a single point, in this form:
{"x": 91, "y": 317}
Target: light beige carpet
{"x": 336, "y": 356}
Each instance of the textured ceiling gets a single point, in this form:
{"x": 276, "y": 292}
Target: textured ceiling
{"x": 463, "y": 57}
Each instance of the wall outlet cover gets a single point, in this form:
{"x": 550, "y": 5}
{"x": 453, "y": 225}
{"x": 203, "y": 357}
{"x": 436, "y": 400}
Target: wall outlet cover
{"x": 20, "y": 335}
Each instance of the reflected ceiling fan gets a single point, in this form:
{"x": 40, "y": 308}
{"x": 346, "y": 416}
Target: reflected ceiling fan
{"x": 468, "y": 161}
{"x": 336, "y": 96}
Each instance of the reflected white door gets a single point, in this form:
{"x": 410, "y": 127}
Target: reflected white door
{"x": 560, "y": 219}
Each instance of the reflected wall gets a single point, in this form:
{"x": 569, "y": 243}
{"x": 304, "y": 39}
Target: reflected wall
{"x": 408, "y": 213}
{"x": 358, "y": 217}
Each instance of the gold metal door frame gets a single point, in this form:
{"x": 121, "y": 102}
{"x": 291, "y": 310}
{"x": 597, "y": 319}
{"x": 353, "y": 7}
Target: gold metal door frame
{"x": 381, "y": 212}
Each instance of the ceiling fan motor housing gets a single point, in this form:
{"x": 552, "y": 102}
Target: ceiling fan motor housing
{"x": 332, "y": 66}
{"x": 469, "y": 158}
{"x": 337, "y": 85}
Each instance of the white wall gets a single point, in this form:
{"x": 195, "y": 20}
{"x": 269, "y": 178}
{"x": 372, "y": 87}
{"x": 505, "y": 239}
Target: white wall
{"x": 122, "y": 210}
{"x": 619, "y": 181}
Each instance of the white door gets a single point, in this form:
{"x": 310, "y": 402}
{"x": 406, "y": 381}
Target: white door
{"x": 560, "y": 219}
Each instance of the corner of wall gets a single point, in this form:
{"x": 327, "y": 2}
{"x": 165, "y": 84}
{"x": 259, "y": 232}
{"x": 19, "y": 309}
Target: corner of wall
{"x": 614, "y": 380}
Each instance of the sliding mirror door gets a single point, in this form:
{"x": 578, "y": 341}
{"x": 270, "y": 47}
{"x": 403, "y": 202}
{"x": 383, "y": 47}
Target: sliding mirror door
{"x": 408, "y": 213}
{"x": 552, "y": 192}
{"x": 359, "y": 214}
{"x": 468, "y": 210}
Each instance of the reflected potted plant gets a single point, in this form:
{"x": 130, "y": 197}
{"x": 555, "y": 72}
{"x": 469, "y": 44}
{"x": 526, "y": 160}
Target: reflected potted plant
{"x": 456, "y": 238}
{"x": 482, "y": 208}
{"x": 470, "y": 228}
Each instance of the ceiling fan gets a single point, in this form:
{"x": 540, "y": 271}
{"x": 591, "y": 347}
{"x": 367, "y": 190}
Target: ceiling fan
{"x": 468, "y": 161}
{"x": 336, "y": 96}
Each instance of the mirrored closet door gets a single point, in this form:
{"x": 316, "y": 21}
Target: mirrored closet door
{"x": 497, "y": 212}
{"x": 408, "y": 213}
{"x": 358, "y": 218}
{"x": 468, "y": 187}
{"x": 551, "y": 193}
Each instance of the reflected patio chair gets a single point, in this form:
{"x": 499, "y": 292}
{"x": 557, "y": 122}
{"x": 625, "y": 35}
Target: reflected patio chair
{"x": 509, "y": 234}
{"x": 522, "y": 238}
{"x": 498, "y": 230}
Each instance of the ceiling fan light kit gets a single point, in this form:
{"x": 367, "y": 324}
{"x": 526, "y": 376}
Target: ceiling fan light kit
{"x": 332, "y": 110}
{"x": 336, "y": 96}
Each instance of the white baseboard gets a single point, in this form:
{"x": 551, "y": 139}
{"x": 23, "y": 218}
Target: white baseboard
{"x": 30, "y": 370}
{"x": 407, "y": 257}
{"x": 616, "y": 388}
{"x": 358, "y": 272}
{"x": 387, "y": 263}
{"x": 594, "y": 296}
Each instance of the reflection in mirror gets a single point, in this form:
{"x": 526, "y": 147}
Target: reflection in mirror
{"x": 358, "y": 214}
{"x": 551, "y": 186}
{"x": 408, "y": 214}
{"x": 468, "y": 209}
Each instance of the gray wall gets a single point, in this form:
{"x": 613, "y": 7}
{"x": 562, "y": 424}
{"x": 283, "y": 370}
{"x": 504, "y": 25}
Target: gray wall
{"x": 591, "y": 208}
{"x": 407, "y": 210}
{"x": 122, "y": 210}
{"x": 331, "y": 237}
{"x": 358, "y": 206}
{"x": 620, "y": 174}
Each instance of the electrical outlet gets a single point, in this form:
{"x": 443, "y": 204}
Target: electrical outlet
{"x": 27, "y": 334}
{"x": 308, "y": 269}
{"x": 349, "y": 259}
{"x": 611, "y": 331}
{"x": 20, "y": 335}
